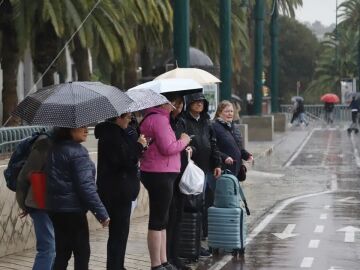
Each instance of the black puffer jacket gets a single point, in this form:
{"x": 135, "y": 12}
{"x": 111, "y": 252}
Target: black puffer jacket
{"x": 71, "y": 180}
{"x": 229, "y": 142}
{"x": 205, "y": 152}
{"x": 118, "y": 156}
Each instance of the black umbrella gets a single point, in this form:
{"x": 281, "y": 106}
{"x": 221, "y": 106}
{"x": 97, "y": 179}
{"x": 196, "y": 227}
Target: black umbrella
{"x": 73, "y": 104}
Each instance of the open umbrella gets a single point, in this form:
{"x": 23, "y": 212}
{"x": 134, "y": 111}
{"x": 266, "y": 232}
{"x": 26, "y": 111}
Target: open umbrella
{"x": 296, "y": 98}
{"x": 196, "y": 74}
{"x": 145, "y": 98}
{"x": 330, "y": 98}
{"x": 181, "y": 86}
{"x": 73, "y": 104}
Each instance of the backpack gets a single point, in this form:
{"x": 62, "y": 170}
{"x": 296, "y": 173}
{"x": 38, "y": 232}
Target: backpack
{"x": 18, "y": 159}
{"x": 228, "y": 193}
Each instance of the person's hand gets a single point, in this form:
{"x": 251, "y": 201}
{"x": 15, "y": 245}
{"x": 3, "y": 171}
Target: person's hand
{"x": 229, "y": 161}
{"x": 217, "y": 172}
{"x": 189, "y": 150}
{"x": 23, "y": 214}
{"x": 105, "y": 222}
{"x": 142, "y": 140}
{"x": 251, "y": 158}
{"x": 185, "y": 138}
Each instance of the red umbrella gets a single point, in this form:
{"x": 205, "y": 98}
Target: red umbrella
{"x": 330, "y": 98}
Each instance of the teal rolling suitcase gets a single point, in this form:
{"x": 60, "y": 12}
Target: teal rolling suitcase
{"x": 226, "y": 230}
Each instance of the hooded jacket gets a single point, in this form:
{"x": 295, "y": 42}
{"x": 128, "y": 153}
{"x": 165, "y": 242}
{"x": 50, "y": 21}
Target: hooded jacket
{"x": 118, "y": 157}
{"x": 163, "y": 153}
{"x": 205, "y": 152}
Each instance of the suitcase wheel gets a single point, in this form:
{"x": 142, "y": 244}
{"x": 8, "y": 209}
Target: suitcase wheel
{"x": 238, "y": 252}
{"x": 214, "y": 251}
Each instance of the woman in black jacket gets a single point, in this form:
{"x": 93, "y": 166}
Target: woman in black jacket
{"x": 71, "y": 193}
{"x": 119, "y": 149}
{"x": 228, "y": 138}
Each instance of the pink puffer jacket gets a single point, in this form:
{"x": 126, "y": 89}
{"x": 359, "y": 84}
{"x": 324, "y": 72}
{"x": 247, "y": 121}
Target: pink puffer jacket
{"x": 163, "y": 154}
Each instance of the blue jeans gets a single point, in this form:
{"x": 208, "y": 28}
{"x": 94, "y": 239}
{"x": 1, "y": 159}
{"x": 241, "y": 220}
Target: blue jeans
{"x": 45, "y": 240}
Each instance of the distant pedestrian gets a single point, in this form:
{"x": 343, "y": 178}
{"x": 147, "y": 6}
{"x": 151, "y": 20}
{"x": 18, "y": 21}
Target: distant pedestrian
{"x": 354, "y": 106}
{"x": 43, "y": 227}
{"x": 229, "y": 139}
{"x": 160, "y": 166}
{"x": 72, "y": 192}
{"x": 329, "y": 109}
{"x": 295, "y": 112}
{"x": 117, "y": 181}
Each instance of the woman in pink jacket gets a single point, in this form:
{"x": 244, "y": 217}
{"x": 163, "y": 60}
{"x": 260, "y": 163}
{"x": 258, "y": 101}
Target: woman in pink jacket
{"x": 159, "y": 167}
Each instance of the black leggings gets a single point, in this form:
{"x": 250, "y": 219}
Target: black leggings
{"x": 160, "y": 188}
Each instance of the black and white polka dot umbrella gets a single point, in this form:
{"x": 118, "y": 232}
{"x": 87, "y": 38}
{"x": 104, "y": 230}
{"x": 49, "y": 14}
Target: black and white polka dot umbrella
{"x": 145, "y": 98}
{"x": 73, "y": 104}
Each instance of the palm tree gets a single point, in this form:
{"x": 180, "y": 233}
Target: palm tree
{"x": 10, "y": 59}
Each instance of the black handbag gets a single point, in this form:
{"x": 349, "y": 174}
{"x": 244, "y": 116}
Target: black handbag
{"x": 242, "y": 173}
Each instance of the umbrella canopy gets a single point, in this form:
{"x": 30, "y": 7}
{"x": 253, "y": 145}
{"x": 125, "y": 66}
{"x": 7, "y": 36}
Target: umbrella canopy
{"x": 73, "y": 104}
{"x": 145, "y": 98}
{"x": 330, "y": 98}
{"x": 181, "y": 86}
{"x": 296, "y": 98}
{"x": 196, "y": 74}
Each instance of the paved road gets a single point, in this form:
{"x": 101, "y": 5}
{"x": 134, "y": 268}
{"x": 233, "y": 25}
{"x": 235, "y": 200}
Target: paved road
{"x": 316, "y": 231}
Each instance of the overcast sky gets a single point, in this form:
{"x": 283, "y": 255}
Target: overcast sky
{"x": 318, "y": 10}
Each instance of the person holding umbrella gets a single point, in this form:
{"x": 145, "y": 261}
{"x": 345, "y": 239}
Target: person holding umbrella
{"x": 329, "y": 105}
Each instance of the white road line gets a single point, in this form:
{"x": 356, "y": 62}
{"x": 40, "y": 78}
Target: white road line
{"x": 326, "y": 153}
{"x": 356, "y": 152}
{"x": 299, "y": 149}
{"x": 319, "y": 229}
{"x": 327, "y": 207}
{"x": 220, "y": 264}
{"x": 314, "y": 243}
{"x": 265, "y": 222}
{"x": 307, "y": 262}
{"x": 323, "y": 216}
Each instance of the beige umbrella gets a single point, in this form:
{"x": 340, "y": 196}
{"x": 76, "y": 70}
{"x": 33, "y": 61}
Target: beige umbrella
{"x": 196, "y": 74}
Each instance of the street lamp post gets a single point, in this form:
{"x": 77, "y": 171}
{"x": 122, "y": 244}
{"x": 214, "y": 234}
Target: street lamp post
{"x": 225, "y": 49}
{"x": 274, "y": 32}
{"x": 259, "y": 39}
{"x": 181, "y": 32}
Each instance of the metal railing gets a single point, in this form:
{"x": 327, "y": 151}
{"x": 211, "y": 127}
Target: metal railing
{"x": 10, "y": 137}
{"x": 341, "y": 112}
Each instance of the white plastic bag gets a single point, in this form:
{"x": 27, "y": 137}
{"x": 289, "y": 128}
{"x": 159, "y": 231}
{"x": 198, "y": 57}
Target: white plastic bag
{"x": 192, "y": 181}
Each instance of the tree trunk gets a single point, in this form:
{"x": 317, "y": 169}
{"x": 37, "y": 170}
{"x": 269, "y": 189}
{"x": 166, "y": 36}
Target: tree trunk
{"x": 46, "y": 49}
{"x": 146, "y": 62}
{"x": 117, "y": 76}
{"x": 9, "y": 63}
{"x": 130, "y": 72}
{"x": 81, "y": 58}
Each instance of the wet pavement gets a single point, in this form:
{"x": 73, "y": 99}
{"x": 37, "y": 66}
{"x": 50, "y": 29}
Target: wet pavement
{"x": 304, "y": 187}
{"x": 317, "y": 229}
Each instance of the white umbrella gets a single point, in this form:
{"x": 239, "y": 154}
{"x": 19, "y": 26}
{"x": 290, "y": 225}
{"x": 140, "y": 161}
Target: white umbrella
{"x": 145, "y": 98}
{"x": 196, "y": 74}
{"x": 181, "y": 86}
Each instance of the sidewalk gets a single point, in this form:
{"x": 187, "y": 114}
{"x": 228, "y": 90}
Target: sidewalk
{"x": 256, "y": 184}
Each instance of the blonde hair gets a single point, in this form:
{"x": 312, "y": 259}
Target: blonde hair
{"x": 222, "y": 105}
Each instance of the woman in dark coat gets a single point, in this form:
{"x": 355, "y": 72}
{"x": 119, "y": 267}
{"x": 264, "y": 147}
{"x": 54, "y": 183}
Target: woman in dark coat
{"x": 118, "y": 184}
{"x": 71, "y": 192}
{"x": 228, "y": 138}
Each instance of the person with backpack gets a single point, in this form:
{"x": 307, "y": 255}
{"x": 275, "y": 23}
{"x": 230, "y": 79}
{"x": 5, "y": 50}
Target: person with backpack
{"x": 119, "y": 150}
{"x": 43, "y": 227}
{"x": 71, "y": 193}
{"x": 205, "y": 152}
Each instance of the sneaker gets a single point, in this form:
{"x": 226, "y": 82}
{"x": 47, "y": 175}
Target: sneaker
{"x": 204, "y": 253}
